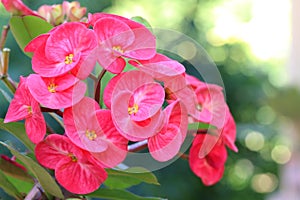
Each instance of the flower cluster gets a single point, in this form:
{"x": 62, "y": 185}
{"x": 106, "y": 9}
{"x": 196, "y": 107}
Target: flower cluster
{"x": 153, "y": 102}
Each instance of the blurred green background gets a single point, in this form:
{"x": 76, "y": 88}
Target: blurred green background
{"x": 251, "y": 59}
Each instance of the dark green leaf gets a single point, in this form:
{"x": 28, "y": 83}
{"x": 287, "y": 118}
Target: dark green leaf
{"x": 23, "y": 186}
{"x": 117, "y": 194}
{"x": 8, "y": 187}
{"x": 132, "y": 176}
{"x": 18, "y": 130}
{"x": 5, "y": 95}
{"x": 44, "y": 178}
{"x": 143, "y": 21}
{"x": 24, "y": 29}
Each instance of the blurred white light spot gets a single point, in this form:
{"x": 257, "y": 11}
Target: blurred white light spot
{"x": 265, "y": 115}
{"x": 281, "y": 154}
{"x": 254, "y": 141}
{"x": 264, "y": 183}
{"x": 243, "y": 169}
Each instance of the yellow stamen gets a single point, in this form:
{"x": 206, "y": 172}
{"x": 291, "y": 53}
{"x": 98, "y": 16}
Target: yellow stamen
{"x": 29, "y": 110}
{"x": 118, "y": 49}
{"x": 52, "y": 87}
{"x": 69, "y": 59}
{"x": 73, "y": 157}
{"x": 133, "y": 110}
{"x": 91, "y": 135}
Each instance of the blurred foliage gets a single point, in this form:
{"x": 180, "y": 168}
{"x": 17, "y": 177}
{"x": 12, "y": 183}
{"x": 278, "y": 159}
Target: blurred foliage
{"x": 247, "y": 84}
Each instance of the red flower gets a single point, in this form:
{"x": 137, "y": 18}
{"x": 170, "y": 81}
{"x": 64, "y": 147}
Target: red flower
{"x": 24, "y": 106}
{"x": 206, "y": 162}
{"x": 75, "y": 169}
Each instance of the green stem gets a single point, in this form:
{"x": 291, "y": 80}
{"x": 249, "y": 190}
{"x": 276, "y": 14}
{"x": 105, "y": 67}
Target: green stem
{"x": 9, "y": 83}
{"x": 5, "y": 30}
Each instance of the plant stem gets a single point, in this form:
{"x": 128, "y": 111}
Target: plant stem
{"x": 58, "y": 112}
{"x": 138, "y": 146}
{"x": 5, "y": 30}
{"x": 98, "y": 86}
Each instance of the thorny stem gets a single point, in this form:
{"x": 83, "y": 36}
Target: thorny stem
{"x": 4, "y": 61}
{"x": 138, "y": 146}
{"x": 98, "y": 86}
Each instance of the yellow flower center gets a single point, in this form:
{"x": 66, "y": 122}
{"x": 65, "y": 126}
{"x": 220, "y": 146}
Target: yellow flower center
{"x": 118, "y": 49}
{"x": 29, "y": 110}
{"x": 91, "y": 135}
{"x": 52, "y": 87}
{"x": 73, "y": 157}
{"x": 69, "y": 59}
{"x": 133, "y": 110}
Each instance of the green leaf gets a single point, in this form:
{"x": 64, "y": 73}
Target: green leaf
{"x": 143, "y": 21}
{"x": 8, "y": 187}
{"x": 199, "y": 125}
{"x": 24, "y": 29}
{"x": 18, "y": 130}
{"x": 23, "y": 186}
{"x": 118, "y": 179}
{"x": 6, "y": 95}
{"x": 117, "y": 194}
{"x": 44, "y": 178}
{"x": 11, "y": 169}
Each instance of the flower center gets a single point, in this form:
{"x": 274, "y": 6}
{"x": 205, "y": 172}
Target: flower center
{"x": 133, "y": 110}
{"x": 91, "y": 135}
{"x": 29, "y": 110}
{"x": 52, "y": 87}
{"x": 199, "y": 107}
{"x": 118, "y": 50}
{"x": 73, "y": 157}
{"x": 69, "y": 59}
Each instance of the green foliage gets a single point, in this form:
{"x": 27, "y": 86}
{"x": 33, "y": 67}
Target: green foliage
{"x": 8, "y": 187}
{"x": 44, "y": 178}
{"x": 124, "y": 179}
{"x": 18, "y": 130}
{"x": 116, "y": 194}
{"x": 26, "y": 28}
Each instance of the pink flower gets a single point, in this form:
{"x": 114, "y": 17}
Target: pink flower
{"x": 24, "y": 106}
{"x": 63, "y": 51}
{"x": 207, "y": 164}
{"x": 57, "y": 92}
{"x": 53, "y": 14}
{"x": 160, "y": 66}
{"x": 17, "y": 7}
{"x": 136, "y": 102}
{"x": 165, "y": 144}
{"x": 119, "y": 37}
{"x": 75, "y": 169}
{"x": 92, "y": 129}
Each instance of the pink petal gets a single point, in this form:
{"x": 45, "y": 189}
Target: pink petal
{"x": 112, "y": 156}
{"x": 38, "y": 86}
{"x": 48, "y": 67}
{"x": 229, "y": 132}
{"x": 210, "y": 98}
{"x": 126, "y": 126}
{"x": 210, "y": 168}
{"x": 166, "y": 144}
{"x": 35, "y": 127}
{"x": 34, "y": 44}
{"x": 193, "y": 81}
{"x": 82, "y": 118}
{"x": 17, "y": 7}
{"x": 149, "y": 98}
{"x": 21, "y": 105}
{"x": 53, "y": 149}
{"x": 109, "y": 89}
{"x": 113, "y": 32}
{"x": 159, "y": 66}
{"x": 79, "y": 178}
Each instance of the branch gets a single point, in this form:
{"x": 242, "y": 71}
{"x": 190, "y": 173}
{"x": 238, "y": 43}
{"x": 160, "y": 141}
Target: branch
{"x": 98, "y": 86}
{"x": 138, "y": 146}
{"x": 5, "y": 30}
{"x": 35, "y": 193}
{"x": 56, "y": 111}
